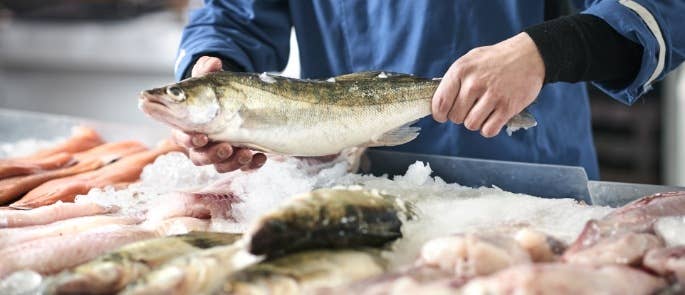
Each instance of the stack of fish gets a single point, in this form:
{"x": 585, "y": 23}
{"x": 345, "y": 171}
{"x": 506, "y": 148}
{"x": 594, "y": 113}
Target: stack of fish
{"x": 334, "y": 237}
{"x": 626, "y": 252}
{"x": 73, "y": 167}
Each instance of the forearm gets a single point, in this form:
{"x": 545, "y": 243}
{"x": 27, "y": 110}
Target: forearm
{"x": 584, "y": 47}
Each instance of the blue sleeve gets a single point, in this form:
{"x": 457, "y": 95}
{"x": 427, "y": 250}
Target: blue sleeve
{"x": 657, "y": 25}
{"x": 253, "y": 34}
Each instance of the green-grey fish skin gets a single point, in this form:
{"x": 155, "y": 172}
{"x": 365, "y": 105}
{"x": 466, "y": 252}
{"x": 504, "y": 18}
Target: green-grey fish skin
{"x": 299, "y": 117}
{"x": 111, "y": 272}
{"x": 305, "y": 272}
{"x": 198, "y": 272}
{"x": 329, "y": 218}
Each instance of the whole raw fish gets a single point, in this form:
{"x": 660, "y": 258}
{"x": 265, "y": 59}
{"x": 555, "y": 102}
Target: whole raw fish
{"x": 48, "y": 214}
{"x": 329, "y": 218}
{"x": 111, "y": 272}
{"x": 82, "y": 138}
{"x": 92, "y": 159}
{"x": 198, "y": 272}
{"x": 12, "y": 236}
{"x": 53, "y": 254}
{"x": 305, "y": 272}
{"x": 9, "y": 168}
{"x": 126, "y": 169}
{"x": 300, "y": 117}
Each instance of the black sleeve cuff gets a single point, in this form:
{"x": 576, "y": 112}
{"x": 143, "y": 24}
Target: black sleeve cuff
{"x": 226, "y": 65}
{"x": 584, "y": 47}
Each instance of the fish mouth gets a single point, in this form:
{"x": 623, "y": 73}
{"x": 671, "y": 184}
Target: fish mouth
{"x": 158, "y": 109}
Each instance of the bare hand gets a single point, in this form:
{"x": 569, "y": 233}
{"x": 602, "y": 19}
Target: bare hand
{"x": 222, "y": 155}
{"x": 489, "y": 85}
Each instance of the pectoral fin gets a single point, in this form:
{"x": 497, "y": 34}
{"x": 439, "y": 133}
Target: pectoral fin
{"x": 400, "y": 135}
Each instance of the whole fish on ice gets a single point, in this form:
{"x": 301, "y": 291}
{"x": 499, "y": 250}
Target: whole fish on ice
{"x": 300, "y": 117}
{"x": 111, "y": 272}
{"x": 329, "y": 218}
{"x": 306, "y": 272}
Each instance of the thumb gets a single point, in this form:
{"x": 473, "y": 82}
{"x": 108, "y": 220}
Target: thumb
{"x": 206, "y": 64}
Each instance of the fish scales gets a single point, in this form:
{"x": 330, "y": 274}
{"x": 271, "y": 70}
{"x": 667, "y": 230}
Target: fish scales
{"x": 329, "y": 218}
{"x": 111, "y": 272}
{"x": 299, "y": 117}
{"x": 305, "y": 272}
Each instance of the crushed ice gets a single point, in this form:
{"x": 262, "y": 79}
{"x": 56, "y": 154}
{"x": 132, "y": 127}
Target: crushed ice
{"x": 443, "y": 208}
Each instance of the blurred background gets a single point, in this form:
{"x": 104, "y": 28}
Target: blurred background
{"x": 90, "y": 58}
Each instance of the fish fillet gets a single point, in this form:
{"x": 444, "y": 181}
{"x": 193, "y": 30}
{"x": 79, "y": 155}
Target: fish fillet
{"x": 620, "y": 230}
{"x": 9, "y": 168}
{"x": 12, "y": 236}
{"x": 82, "y": 138}
{"x": 49, "y": 214}
{"x": 127, "y": 169}
{"x": 53, "y": 254}
{"x": 11, "y": 188}
{"x": 557, "y": 278}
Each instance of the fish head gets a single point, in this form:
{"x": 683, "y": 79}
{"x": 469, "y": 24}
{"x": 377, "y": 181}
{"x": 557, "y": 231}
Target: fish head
{"x": 191, "y": 105}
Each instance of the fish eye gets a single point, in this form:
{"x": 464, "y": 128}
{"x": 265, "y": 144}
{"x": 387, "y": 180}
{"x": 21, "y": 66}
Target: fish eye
{"x": 176, "y": 93}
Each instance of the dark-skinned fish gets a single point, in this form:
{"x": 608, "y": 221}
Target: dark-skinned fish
{"x": 111, "y": 272}
{"x": 329, "y": 218}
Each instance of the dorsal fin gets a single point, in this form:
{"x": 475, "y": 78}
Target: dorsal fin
{"x": 368, "y": 75}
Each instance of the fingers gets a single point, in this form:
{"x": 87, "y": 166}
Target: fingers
{"x": 258, "y": 160}
{"x": 204, "y": 65}
{"x": 241, "y": 159}
{"x": 480, "y": 112}
{"x": 469, "y": 93}
{"x": 494, "y": 124}
{"x": 211, "y": 153}
{"x": 445, "y": 94}
{"x": 189, "y": 140}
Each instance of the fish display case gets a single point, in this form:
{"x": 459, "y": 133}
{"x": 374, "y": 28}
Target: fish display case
{"x": 549, "y": 181}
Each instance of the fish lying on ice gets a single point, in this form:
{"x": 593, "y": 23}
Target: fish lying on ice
{"x": 127, "y": 169}
{"x": 198, "y": 272}
{"x": 82, "y": 138}
{"x": 111, "y": 272}
{"x": 200, "y": 205}
{"x": 329, "y": 218}
{"x": 624, "y": 248}
{"x": 92, "y": 159}
{"x": 667, "y": 262}
{"x": 472, "y": 254}
{"x": 299, "y": 117}
{"x": 48, "y": 214}
{"x": 626, "y": 233}
{"x": 12, "y": 236}
{"x": 305, "y": 272}
{"x": 53, "y": 254}
{"x": 9, "y": 168}
{"x": 177, "y": 225}
{"x": 558, "y": 278}
{"x": 445, "y": 263}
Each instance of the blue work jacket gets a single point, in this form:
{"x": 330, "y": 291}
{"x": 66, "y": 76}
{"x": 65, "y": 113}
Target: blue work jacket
{"x": 424, "y": 38}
